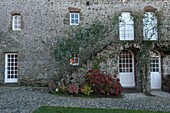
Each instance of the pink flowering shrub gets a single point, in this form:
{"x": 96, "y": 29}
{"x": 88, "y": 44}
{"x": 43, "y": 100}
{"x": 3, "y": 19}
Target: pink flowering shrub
{"x": 103, "y": 83}
{"x": 73, "y": 88}
{"x": 97, "y": 83}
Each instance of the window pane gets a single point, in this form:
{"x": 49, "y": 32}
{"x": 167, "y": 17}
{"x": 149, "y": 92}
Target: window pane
{"x": 15, "y": 26}
{"x": 15, "y": 17}
{"x": 19, "y": 18}
{"x": 19, "y": 26}
{"x": 72, "y": 21}
{"x": 157, "y": 65}
{"x": 72, "y": 15}
{"x": 76, "y": 15}
{"x": 15, "y": 22}
{"x": 157, "y": 69}
{"x": 76, "y": 21}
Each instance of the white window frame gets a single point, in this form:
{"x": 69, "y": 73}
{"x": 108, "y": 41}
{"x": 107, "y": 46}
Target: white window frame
{"x": 150, "y": 30}
{"x": 126, "y": 26}
{"x": 74, "y": 59}
{"x": 78, "y": 17}
{"x": 16, "y": 22}
{"x": 11, "y": 68}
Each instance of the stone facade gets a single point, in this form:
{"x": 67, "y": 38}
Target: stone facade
{"x": 44, "y": 21}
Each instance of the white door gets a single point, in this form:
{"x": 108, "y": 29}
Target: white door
{"x": 11, "y": 68}
{"x": 155, "y": 71}
{"x": 126, "y": 68}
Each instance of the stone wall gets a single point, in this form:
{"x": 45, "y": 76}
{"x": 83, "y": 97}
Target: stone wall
{"x": 166, "y": 65}
{"x": 166, "y": 73}
{"x": 44, "y": 22}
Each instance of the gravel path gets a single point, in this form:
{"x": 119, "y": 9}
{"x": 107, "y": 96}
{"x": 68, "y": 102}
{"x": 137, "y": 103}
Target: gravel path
{"x": 26, "y": 100}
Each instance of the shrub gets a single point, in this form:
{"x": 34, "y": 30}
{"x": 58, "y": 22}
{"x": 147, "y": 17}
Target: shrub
{"x": 61, "y": 88}
{"x": 51, "y": 86}
{"x": 86, "y": 90}
{"x": 103, "y": 83}
{"x": 73, "y": 88}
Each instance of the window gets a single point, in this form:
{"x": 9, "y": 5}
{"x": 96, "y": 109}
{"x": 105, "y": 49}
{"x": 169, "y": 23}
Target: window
{"x": 16, "y": 22}
{"x": 150, "y": 31}
{"x": 11, "y": 67}
{"x": 74, "y": 59}
{"x": 125, "y": 1}
{"x": 74, "y": 18}
{"x": 125, "y": 62}
{"x": 126, "y": 26}
{"x": 154, "y": 61}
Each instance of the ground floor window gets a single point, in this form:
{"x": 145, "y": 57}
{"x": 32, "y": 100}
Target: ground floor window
{"x": 11, "y": 67}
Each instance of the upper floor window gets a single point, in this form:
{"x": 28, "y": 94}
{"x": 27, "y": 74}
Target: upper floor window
{"x": 74, "y": 59}
{"x": 150, "y": 30}
{"x": 16, "y": 22}
{"x": 126, "y": 26}
{"x": 74, "y": 18}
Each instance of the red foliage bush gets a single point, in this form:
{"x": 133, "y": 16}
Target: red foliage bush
{"x": 103, "y": 83}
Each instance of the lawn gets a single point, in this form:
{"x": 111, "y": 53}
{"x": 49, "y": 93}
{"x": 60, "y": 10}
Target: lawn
{"x": 50, "y": 109}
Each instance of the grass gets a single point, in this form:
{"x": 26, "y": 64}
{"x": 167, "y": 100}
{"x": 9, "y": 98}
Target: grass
{"x": 50, "y": 109}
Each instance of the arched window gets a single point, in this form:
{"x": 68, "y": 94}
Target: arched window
{"x": 126, "y": 26}
{"x": 16, "y": 22}
{"x": 125, "y": 62}
{"x": 150, "y": 30}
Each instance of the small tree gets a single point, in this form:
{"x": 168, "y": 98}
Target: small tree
{"x": 85, "y": 41}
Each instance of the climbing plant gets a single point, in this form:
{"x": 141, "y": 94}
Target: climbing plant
{"x": 145, "y": 65}
{"x": 147, "y": 28}
{"x": 84, "y": 40}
